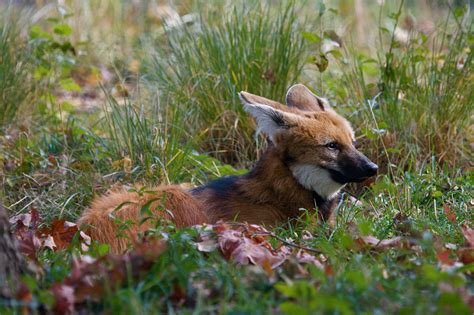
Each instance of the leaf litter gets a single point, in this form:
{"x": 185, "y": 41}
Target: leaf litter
{"x": 244, "y": 244}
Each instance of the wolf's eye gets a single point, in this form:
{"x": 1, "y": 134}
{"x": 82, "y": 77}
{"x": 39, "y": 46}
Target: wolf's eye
{"x": 332, "y": 145}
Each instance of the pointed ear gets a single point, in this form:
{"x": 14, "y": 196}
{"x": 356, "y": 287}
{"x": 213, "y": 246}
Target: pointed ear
{"x": 301, "y": 97}
{"x": 255, "y": 99}
{"x": 270, "y": 121}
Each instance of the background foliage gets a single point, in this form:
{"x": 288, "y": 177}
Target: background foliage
{"x": 96, "y": 94}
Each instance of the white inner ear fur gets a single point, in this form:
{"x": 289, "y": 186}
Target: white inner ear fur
{"x": 316, "y": 179}
{"x": 265, "y": 116}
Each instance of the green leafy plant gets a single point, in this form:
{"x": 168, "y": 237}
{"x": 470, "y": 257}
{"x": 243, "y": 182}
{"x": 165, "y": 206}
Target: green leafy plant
{"x": 53, "y": 52}
{"x": 421, "y": 104}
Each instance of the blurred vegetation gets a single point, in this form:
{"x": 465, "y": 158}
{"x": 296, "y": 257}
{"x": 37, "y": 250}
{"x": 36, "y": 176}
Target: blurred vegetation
{"x": 95, "y": 94}
{"x": 17, "y": 89}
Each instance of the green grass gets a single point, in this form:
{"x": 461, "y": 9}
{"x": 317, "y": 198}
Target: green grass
{"x": 184, "y": 123}
{"x": 201, "y": 69}
{"x": 16, "y": 84}
{"x": 393, "y": 281}
{"x": 151, "y": 137}
{"x": 418, "y": 90}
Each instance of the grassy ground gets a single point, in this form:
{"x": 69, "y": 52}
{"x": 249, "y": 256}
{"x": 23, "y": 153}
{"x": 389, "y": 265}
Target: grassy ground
{"x": 99, "y": 94}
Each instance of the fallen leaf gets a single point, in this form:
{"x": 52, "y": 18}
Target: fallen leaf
{"x": 443, "y": 257}
{"x": 29, "y": 244}
{"x": 64, "y": 298}
{"x": 249, "y": 244}
{"x": 91, "y": 278}
{"x": 466, "y": 255}
{"x": 306, "y": 258}
{"x": 178, "y": 296}
{"x": 381, "y": 244}
{"x": 23, "y": 218}
{"x": 328, "y": 271}
{"x": 23, "y": 294}
{"x": 243, "y": 250}
{"x": 29, "y": 220}
{"x": 207, "y": 246}
{"x": 450, "y": 215}
{"x": 306, "y": 235}
{"x": 267, "y": 267}
{"x": 450, "y": 246}
{"x": 49, "y": 242}
{"x": 62, "y": 232}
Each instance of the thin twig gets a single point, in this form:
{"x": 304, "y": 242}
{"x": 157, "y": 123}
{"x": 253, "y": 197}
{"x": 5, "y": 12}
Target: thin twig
{"x": 309, "y": 249}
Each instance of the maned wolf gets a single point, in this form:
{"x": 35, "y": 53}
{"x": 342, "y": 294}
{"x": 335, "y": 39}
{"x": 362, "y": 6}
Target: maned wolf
{"x": 310, "y": 157}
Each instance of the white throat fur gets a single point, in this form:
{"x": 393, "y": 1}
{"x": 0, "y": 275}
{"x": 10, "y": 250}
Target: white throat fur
{"x": 316, "y": 179}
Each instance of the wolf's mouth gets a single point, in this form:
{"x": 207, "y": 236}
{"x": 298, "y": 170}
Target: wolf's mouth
{"x": 341, "y": 178}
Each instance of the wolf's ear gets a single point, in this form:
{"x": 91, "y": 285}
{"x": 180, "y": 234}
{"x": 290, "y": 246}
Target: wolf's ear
{"x": 299, "y": 96}
{"x": 270, "y": 120}
{"x": 255, "y": 99}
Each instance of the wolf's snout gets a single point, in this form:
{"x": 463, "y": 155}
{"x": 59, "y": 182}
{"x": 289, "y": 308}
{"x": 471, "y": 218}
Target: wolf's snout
{"x": 371, "y": 168}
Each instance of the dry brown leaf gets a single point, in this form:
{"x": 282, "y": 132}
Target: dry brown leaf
{"x": 443, "y": 257}
{"x": 31, "y": 238}
{"x": 62, "y": 232}
{"x": 304, "y": 257}
{"x": 233, "y": 244}
{"x": 48, "y": 242}
{"x": 248, "y": 244}
{"x": 23, "y": 218}
{"x": 381, "y": 244}
{"x": 91, "y": 278}
{"x": 64, "y": 298}
{"x": 207, "y": 246}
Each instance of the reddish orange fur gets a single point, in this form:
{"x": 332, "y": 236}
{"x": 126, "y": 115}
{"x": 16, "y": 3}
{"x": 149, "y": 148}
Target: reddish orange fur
{"x": 125, "y": 205}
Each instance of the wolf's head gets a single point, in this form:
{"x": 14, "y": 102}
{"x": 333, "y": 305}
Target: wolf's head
{"x": 317, "y": 144}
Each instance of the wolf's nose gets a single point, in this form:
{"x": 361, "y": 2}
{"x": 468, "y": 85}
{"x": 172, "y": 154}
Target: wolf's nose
{"x": 372, "y": 168}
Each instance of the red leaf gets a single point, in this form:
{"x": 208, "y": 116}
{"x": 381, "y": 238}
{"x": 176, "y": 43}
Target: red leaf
{"x": 449, "y": 213}
{"x": 248, "y": 244}
{"x": 234, "y": 244}
{"x": 466, "y": 255}
{"x": 328, "y": 271}
{"x": 379, "y": 287}
{"x": 35, "y": 218}
{"x": 443, "y": 257}
{"x": 62, "y": 232}
{"x": 29, "y": 244}
{"x": 179, "y": 294}
{"x": 64, "y": 298}
{"x": 90, "y": 279}
{"x": 23, "y": 293}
